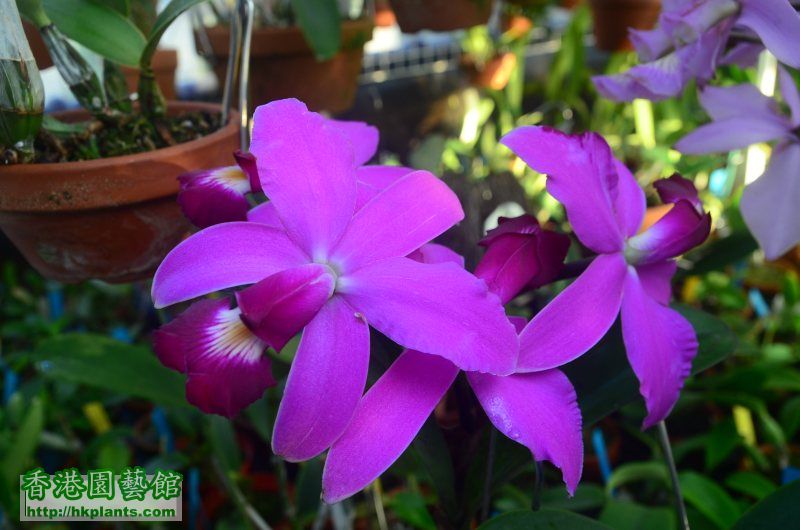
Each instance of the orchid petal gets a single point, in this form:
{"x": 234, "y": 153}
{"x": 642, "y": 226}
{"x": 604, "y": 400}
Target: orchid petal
{"x": 225, "y": 363}
{"x": 433, "y": 253}
{"x": 267, "y": 215}
{"x": 743, "y": 55}
{"x": 655, "y": 80}
{"x": 576, "y": 319}
{"x": 374, "y": 179}
{"x": 398, "y": 220}
{"x": 385, "y": 422}
{"x": 630, "y": 203}
{"x": 656, "y": 279}
{"x": 540, "y": 411}
{"x": 439, "y": 309}
{"x": 777, "y": 24}
{"x": 739, "y": 101}
{"x": 220, "y": 257}
{"x": 730, "y": 134}
{"x": 363, "y": 137}
{"x": 660, "y": 344}
{"x": 306, "y": 169}
{"x": 214, "y": 196}
{"x": 769, "y": 205}
{"x": 676, "y": 188}
{"x": 280, "y": 305}
{"x": 325, "y": 383}
{"x": 790, "y": 95}
{"x": 650, "y": 44}
{"x": 690, "y": 24}
{"x": 581, "y": 175}
{"x": 681, "y": 229}
{"x": 247, "y": 162}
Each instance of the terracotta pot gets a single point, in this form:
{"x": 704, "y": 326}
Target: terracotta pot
{"x": 165, "y": 62}
{"x": 282, "y": 65}
{"x": 612, "y": 18}
{"x": 112, "y": 219}
{"x": 440, "y": 15}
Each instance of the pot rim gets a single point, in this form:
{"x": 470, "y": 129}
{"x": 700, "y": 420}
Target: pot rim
{"x": 156, "y": 154}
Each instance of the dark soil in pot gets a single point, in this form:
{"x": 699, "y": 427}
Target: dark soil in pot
{"x": 112, "y": 218}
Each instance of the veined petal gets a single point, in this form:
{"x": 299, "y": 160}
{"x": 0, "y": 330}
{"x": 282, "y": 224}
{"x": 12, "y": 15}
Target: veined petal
{"x": 374, "y": 179}
{"x": 363, "y": 137}
{"x": 777, "y": 24}
{"x": 220, "y": 257}
{"x": 650, "y": 44}
{"x": 280, "y": 305}
{"x": 439, "y": 309}
{"x": 576, "y": 319}
{"x": 265, "y": 214}
{"x": 655, "y": 80}
{"x": 225, "y": 363}
{"x": 307, "y": 170}
{"x": 681, "y": 229}
{"x": 676, "y": 188}
{"x": 687, "y": 25}
{"x": 769, "y": 205}
{"x": 656, "y": 279}
{"x": 581, "y": 175}
{"x": 540, "y": 411}
{"x": 660, "y": 344}
{"x": 325, "y": 382}
{"x": 214, "y": 196}
{"x": 385, "y": 422}
{"x": 398, "y": 220}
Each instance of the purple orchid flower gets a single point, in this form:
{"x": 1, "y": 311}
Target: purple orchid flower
{"x": 742, "y": 116}
{"x": 690, "y": 42}
{"x": 538, "y": 409}
{"x": 212, "y": 196}
{"x": 631, "y": 274}
{"x": 329, "y": 261}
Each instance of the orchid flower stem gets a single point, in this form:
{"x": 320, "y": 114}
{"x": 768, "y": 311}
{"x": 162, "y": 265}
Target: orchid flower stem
{"x": 377, "y": 500}
{"x": 239, "y": 499}
{"x": 663, "y": 438}
{"x": 538, "y": 484}
{"x": 487, "y": 485}
{"x": 283, "y": 486}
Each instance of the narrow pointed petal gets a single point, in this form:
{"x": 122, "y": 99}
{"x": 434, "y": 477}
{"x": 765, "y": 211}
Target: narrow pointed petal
{"x": 540, "y": 411}
{"x": 770, "y": 204}
{"x": 363, "y": 137}
{"x": 576, "y": 319}
{"x": 247, "y": 162}
{"x": 214, "y": 196}
{"x": 307, "y": 170}
{"x": 374, "y": 179}
{"x": 680, "y": 230}
{"x": 325, "y": 383}
{"x": 738, "y": 101}
{"x": 267, "y": 215}
{"x": 225, "y": 363}
{"x": 656, "y": 279}
{"x": 777, "y": 24}
{"x": 630, "y": 204}
{"x": 220, "y": 257}
{"x": 790, "y": 95}
{"x": 676, "y": 188}
{"x": 730, "y": 134}
{"x": 280, "y": 305}
{"x": 385, "y": 422}
{"x": 581, "y": 175}
{"x": 660, "y": 344}
{"x": 398, "y": 220}
{"x": 438, "y": 309}
{"x": 650, "y": 44}
{"x": 743, "y": 55}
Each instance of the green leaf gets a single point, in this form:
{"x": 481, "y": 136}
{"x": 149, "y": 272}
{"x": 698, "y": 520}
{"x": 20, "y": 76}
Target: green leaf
{"x": 751, "y": 484}
{"x": 790, "y": 417}
{"x": 709, "y": 499}
{"x": 223, "y": 442}
{"x": 779, "y": 511}
{"x": 430, "y": 449}
{"x": 321, "y": 25}
{"x": 167, "y": 16}
{"x": 62, "y": 128}
{"x": 621, "y": 515}
{"x": 721, "y": 442}
{"x": 605, "y": 382}
{"x": 637, "y": 472}
{"x": 545, "y": 519}
{"x": 409, "y": 506}
{"x": 105, "y": 363}
{"x": 309, "y": 489}
{"x": 24, "y": 443}
{"x": 99, "y": 27}
{"x": 587, "y": 497}
{"x": 722, "y": 252}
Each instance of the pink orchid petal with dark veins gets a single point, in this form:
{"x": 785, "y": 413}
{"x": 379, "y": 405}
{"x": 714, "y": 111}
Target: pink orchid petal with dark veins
{"x": 680, "y": 229}
{"x": 226, "y": 365}
{"x": 676, "y": 188}
{"x": 214, "y": 196}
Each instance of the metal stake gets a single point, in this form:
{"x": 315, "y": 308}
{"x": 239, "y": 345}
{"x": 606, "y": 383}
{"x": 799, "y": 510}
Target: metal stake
{"x": 246, "y": 11}
{"x": 663, "y": 439}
